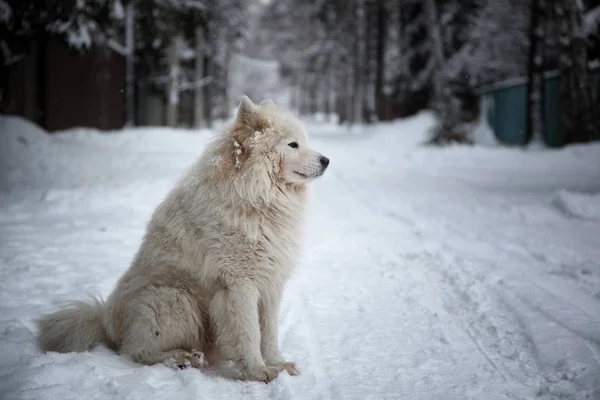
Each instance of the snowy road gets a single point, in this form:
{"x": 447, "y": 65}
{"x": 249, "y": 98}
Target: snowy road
{"x": 459, "y": 273}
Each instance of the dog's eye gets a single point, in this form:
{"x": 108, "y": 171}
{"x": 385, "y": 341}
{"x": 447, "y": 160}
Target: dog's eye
{"x": 293, "y": 145}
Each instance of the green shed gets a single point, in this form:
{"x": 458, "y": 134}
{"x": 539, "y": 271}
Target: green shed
{"x": 506, "y": 112}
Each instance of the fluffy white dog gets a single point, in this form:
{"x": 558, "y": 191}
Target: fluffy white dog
{"x": 217, "y": 251}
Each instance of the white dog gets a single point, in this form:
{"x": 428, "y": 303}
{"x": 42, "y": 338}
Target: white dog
{"x": 217, "y": 251}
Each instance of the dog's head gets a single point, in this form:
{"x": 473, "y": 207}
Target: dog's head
{"x": 269, "y": 139}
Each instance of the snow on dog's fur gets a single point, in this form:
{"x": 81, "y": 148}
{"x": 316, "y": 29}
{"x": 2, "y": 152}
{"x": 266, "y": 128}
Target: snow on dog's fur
{"x": 209, "y": 274}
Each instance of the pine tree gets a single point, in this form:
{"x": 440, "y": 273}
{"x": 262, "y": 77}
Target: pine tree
{"x": 79, "y": 24}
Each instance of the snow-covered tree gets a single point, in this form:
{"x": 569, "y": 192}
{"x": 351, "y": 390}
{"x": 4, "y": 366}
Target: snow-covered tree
{"x": 210, "y": 32}
{"x": 228, "y": 33}
{"x": 496, "y": 43}
{"x": 290, "y": 32}
{"x": 79, "y": 23}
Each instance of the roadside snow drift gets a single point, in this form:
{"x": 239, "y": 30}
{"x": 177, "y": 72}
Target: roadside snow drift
{"x": 428, "y": 273}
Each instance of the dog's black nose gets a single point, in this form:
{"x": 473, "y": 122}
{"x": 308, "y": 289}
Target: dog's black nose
{"x": 324, "y": 161}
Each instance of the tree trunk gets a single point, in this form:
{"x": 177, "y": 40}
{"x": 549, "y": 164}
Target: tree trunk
{"x": 227, "y": 78}
{"x": 327, "y": 89}
{"x": 359, "y": 69}
{"x": 352, "y": 89}
{"x": 173, "y": 87}
{"x": 381, "y": 44}
{"x": 399, "y": 89}
{"x": 302, "y": 94}
{"x": 350, "y": 93}
{"x": 535, "y": 87}
{"x": 371, "y": 32}
{"x": 332, "y": 94}
{"x": 129, "y": 65}
{"x": 439, "y": 81}
{"x": 314, "y": 103}
{"x": 199, "y": 74}
{"x": 208, "y": 92}
{"x": 340, "y": 109}
{"x": 295, "y": 95}
{"x": 579, "y": 119}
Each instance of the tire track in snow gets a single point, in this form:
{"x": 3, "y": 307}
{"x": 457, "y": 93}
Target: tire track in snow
{"x": 315, "y": 352}
{"x": 485, "y": 354}
{"x": 595, "y": 352}
{"x": 470, "y": 316}
{"x": 524, "y": 258}
{"x": 298, "y": 323}
{"x": 279, "y": 389}
{"x": 519, "y": 261}
{"x": 509, "y": 256}
{"x": 462, "y": 310}
{"x": 519, "y": 282}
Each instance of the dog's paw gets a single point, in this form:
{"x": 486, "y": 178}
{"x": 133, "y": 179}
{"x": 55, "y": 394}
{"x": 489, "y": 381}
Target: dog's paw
{"x": 262, "y": 373}
{"x": 185, "y": 360}
{"x": 291, "y": 368}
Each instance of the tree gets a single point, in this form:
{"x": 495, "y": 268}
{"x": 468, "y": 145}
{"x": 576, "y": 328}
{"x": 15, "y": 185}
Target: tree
{"x": 381, "y": 42}
{"x": 293, "y": 33}
{"x": 443, "y": 103}
{"x": 25, "y": 26}
{"x": 535, "y": 87}
{"x": 210, "y": 32}
{"x": 495, "y": 42}
{"x": 413, "y": 81}
{"x": 80, "y": 24}
{"x": 580, "y": 115}
{"x": 130, "y": 64}
{"x": 174, "y": 78}
{"x": 447, "y": 37}
{"x": 199, "y": 74}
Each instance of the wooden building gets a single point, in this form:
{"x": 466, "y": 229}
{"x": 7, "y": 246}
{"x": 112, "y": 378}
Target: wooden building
{"x": 58, "y": 88}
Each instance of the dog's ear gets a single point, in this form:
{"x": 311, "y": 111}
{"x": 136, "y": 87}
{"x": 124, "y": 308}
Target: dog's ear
{"x": 266, "y": 103}
{"x": 246, "y": 108}
{"x": 239, "y": 137}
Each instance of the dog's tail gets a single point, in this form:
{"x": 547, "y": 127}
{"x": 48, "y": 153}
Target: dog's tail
{"x": 78, "y": 328}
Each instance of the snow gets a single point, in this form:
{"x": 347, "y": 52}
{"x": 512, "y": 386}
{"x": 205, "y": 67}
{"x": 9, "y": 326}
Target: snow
{"x": 238, "y": 151}
{"x": 79, "y": 34}
{"x": 118, "y": 11}
{"x": 581, "y": 205}
{"x": 483, "y": 134}
{"x": 429, "y": 273}
{"x": 5, "y": 12}
{"x": 591, "y": 20}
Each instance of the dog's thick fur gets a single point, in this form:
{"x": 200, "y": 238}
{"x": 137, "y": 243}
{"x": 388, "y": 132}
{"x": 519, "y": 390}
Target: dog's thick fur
{"x": 217, "y": 251}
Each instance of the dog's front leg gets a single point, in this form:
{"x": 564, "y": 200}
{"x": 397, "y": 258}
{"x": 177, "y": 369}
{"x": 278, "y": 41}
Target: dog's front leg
{"x": 234, "y": 313}
{"x": 269, "y": 319}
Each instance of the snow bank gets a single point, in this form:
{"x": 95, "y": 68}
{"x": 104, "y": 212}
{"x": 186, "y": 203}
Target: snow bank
{"x": 23, "y": 151}
{"x": 36, "y": 164}
{"x": 580, "y": 205}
